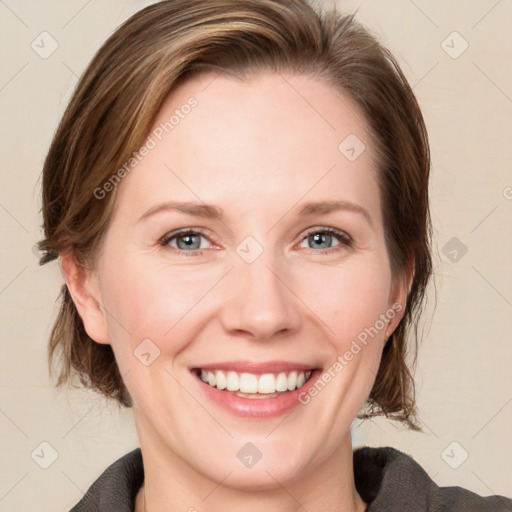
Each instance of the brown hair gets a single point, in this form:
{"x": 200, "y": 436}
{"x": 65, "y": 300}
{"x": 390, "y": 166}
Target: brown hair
{"x": 120, "y": 93}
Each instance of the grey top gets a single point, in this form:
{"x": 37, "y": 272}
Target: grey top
{"x": 386, "y": 479}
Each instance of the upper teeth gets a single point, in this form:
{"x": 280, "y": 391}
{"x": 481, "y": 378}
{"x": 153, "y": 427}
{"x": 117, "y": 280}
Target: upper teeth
{"x": 266, "y": 383}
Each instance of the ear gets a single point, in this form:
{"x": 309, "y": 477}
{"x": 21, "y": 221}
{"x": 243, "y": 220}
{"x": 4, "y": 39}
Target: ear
{"x": 399, "y": 294}
{"x": 83, "y": 287}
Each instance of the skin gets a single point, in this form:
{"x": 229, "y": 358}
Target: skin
{"x": 259, "y": 150}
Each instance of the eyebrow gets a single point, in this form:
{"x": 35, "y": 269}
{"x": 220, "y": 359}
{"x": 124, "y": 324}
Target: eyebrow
{"x": 324, "y": 207}
{"x": 196, "y": 209}
{"x": 215, "y": 212}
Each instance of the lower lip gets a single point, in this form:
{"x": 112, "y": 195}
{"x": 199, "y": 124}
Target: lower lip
{"x": 257, "y": 407}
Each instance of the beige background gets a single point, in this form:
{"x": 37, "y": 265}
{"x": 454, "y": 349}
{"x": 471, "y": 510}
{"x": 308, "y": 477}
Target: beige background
{"x": 464, "y": 377}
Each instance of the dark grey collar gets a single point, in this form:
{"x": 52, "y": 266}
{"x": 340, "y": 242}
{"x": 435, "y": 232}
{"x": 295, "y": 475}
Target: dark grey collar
{"x": 386, "y": 479}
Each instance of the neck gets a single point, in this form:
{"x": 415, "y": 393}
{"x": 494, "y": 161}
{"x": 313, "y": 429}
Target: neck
{"x": 327, "y": 487}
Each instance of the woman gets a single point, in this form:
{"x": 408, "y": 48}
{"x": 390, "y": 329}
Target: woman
{"x": 238, "y": 198}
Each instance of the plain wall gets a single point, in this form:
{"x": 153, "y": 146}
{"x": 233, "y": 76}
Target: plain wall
{"x": 463, "y": 378}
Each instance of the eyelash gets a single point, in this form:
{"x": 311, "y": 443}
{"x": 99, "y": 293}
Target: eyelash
{"x": 164, "y": 241}
{"x": 344, "y": 239}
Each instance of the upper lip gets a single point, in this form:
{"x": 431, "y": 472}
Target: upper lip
{"x": 256, "y": 367}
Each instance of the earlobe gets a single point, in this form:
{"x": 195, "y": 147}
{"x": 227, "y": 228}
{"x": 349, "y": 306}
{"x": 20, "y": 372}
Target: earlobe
{"x": 399, "y": 296}
{"x": 83, "y": 288}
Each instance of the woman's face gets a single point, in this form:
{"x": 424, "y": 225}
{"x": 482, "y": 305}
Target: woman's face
{"x": 248, "y": 246}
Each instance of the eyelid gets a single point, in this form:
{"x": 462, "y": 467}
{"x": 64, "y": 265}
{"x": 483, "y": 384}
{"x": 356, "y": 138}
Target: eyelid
{"x": 343, "y": 236}
{"x": 164, "y": 241}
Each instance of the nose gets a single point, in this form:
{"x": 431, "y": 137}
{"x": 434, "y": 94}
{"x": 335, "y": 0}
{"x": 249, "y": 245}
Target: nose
{"x": 260, "y": 303}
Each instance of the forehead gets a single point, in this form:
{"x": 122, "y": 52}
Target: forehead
{"x": 272, "y": 136}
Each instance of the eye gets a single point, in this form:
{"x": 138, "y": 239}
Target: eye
{"x": 325, "y": 238}
{"x": 186, "y": 240}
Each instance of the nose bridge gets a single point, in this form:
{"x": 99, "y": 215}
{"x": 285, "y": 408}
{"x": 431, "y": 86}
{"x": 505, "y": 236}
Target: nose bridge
{"x": 259, "y": 301}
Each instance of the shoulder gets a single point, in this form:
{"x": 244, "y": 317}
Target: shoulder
{"x": 390, "y": 480}
{"x": 116, "y": 488}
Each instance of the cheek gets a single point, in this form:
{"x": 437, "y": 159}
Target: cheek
{"x": 353, "y": 306}
{"x": 152, "y": 301}
{"x": 149, "y": 319}
{"x": 349, "y": 299}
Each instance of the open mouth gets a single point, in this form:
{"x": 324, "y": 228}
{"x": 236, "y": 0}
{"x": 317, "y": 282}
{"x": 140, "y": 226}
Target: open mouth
{"x": 251, "y": 385}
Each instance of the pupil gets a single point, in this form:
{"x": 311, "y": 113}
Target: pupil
{"x": 321, "y": 240}
{"x": 189, "y": 242}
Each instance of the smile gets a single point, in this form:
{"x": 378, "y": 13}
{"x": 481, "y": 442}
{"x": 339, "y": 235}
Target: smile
{"x": 255, "y": 389}
{"x": 251, "y": 385}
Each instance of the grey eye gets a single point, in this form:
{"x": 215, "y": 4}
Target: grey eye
{"x": 190, "y": 241}
{"x": 321, "y": 240}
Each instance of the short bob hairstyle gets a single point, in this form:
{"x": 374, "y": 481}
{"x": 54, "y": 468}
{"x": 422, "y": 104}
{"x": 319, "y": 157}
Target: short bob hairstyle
{"x": 115, "y": 103}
